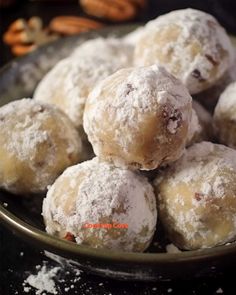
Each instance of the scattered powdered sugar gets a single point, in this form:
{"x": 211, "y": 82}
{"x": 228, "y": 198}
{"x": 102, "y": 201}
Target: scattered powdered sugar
{"x": 103, "y": 192}
{"x": 68, "y": 84}
{"x": 43, "y": 281}
{"x": 196, "y": 28}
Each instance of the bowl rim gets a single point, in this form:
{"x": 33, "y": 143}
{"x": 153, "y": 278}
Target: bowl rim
{"x": 34, "y": 234}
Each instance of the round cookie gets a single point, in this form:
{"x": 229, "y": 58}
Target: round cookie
{"x": 138, "y": 118}
{"x": 190, "y": 44}
{"x": 101, "y": 206}
{"x": 68, "y": 84}
{"x": 197, "y": 197}
{"x": 225, "y": 117}
{"x": 37, "y": 142}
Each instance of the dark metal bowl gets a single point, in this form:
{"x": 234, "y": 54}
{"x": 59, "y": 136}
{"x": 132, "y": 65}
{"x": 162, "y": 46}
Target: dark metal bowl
{"x": 22, "y": 215}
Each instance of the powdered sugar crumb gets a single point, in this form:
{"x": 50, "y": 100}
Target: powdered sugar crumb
{"x": 42, "y": 281}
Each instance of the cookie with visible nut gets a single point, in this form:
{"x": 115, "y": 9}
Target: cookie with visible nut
{"x": 37, "y": 142}
{"x": 138, "y": 118}
{"x": 190, "y": 44}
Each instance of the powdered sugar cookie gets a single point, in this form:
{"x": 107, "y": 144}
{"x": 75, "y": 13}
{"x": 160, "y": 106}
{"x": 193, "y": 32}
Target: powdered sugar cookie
{"x": 37, "y": 142}
{"x": 190, "y": 44}
{"x": 197, "y": 197}
{"x": 101, "y": 206}
{"x": 138, "y": 118}
{"x": 68, "y": 84}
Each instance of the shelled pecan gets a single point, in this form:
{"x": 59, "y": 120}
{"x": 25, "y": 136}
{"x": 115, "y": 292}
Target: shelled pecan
{"x": 113, "y": 10}
{"x": 24, "y": 36}
{"x": 69, "y": 25}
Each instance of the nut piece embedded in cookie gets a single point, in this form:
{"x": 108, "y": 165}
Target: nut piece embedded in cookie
{"x": 197, "y": 197}
{"x": 101, "y": 206}
{"x": 190, "y": 44}
{"x": 37, "y": 142}
{"x": 138, "y": 118}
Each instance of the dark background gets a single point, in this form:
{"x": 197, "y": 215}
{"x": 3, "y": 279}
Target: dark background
{"x": 18, "y": 259}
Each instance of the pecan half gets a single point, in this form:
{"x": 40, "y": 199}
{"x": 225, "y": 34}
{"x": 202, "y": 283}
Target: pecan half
{"x": 69, "y": 25}
{"x": 24, "y": 36}
{"x": 113, "y": 10}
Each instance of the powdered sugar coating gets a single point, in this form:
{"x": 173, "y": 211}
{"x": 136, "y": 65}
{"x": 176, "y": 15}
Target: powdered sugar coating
{"x": 113, "y": 49}
{"x": 197, "y": 197}
{"x": 225, "y": 116}
{"x": 98, "y": 193}
{"x": 201, "y": 125}
{"x": 194, "y": 130}
{"x": 135, "y": 116}
{"x": 37, "y": 143}
{"x": 190, "y": 44}
{"x": 133, "y": 37}
{"x": 227, "y": 102}
{"x": 68, "y": 84}
{"x": 210, "y": 97}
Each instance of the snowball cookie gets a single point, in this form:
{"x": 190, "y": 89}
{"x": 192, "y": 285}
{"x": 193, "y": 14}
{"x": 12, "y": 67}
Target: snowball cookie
{"x": 138, "y": 118}
{"x": 200, "y": 128}
{"x": 197, "y": 197}
{"x": 68, "y": 84}
{"x": 101, "y": 206}
{"x": 190, "y": 44}
{"x": 37, "y": 142}
{"x": 225, "y": 117}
